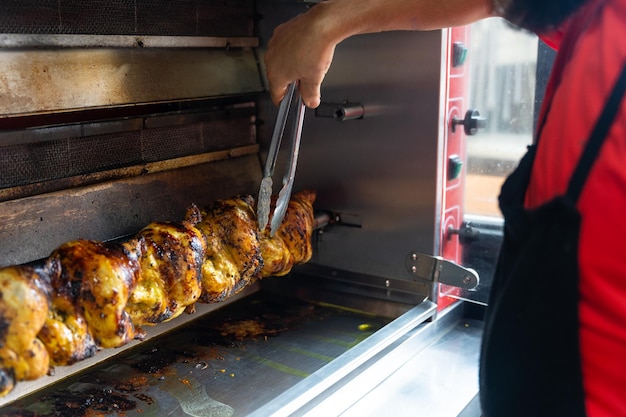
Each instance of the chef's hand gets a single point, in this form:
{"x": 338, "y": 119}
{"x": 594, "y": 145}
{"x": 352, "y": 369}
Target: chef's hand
{"x": 300, "y": 49}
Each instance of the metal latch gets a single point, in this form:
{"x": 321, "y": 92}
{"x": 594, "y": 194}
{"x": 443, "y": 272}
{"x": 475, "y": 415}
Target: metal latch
{"x": 438, "y": 269}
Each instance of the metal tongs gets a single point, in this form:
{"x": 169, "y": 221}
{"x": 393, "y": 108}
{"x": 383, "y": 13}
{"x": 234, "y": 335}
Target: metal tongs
{"x": 265, "y": 192}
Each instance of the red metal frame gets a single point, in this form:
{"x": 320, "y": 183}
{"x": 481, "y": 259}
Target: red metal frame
{"x": 454, "y": 143}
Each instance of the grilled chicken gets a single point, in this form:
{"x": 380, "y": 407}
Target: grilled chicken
{"x": 291, "y": 244}
{"x": 23, "y": 311}
{"x": 170, "y": 278}
{"x": 65, "y": 333}
{"x": 297, "y": 227}
{"x": 277, "y": 259}
{"x": 89, "y": 295}
{"x": 99, "y": 278}
{"x": 233, "y": 256}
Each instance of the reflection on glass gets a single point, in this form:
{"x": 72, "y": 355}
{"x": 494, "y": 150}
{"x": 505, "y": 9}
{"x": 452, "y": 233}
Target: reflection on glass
{"x": 503, "y": 62}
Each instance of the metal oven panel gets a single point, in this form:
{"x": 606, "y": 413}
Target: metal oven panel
{"x": 377, "y": 150}
{"x": 34, "y": 82}
{"x": 378, "y": 174}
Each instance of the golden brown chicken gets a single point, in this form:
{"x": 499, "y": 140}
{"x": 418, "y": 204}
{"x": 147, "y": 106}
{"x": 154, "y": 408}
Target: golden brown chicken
{"x": 23, "y": 310}
{"x": 291, "y": 244}
{"x": 90, "y": 294}
{"x": 100, "y": 278}
{"x": 65, "y": 333}
{"x": 297, "y": 227}
{"x": 170, "y": 278}
{"x": 277, "y": 259}
{"x": 233, "y": 256}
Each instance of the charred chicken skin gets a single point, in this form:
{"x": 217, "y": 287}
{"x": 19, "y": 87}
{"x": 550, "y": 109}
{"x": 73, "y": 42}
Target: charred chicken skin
{"x": 99, "y": 278}
{"x": 65, "y": 333}
{"x": 170, "y": 278}
{"x": 233, "y": 256}
{"x": 297, "y": 227}
{"x": 89, "y": 295}
{"x": 291, "y": 245}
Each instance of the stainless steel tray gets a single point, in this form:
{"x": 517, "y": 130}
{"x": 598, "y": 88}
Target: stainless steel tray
{"x": 227, "y": 363}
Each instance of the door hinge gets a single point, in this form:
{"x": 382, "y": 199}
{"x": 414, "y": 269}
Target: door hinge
{"x": 438, "y": 269}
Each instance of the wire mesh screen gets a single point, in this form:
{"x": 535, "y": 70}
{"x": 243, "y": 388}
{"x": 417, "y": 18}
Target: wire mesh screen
{"x": 37, "y": 162}
{"x": 128, "y": 17}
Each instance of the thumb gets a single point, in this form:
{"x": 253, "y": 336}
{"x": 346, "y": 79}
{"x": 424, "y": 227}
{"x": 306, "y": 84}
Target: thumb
{"x": 310, "y": 93}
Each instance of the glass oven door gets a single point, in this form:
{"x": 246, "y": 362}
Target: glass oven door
{"x": 508, "y": 71}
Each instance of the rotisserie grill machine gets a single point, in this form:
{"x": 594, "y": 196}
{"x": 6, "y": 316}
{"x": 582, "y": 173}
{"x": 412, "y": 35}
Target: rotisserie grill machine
{"x": 116, "y": 114}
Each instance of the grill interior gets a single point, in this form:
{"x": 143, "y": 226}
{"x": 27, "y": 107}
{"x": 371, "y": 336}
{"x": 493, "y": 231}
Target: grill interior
{"x": 99, "y": 137}
{"x": 123, "y": 17}
{"x": 82, "y": 109}
{"x": 77, "y": 149}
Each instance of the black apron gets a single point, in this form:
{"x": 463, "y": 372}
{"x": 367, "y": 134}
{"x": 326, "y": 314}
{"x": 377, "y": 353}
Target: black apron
{"x": 530, "y": 362}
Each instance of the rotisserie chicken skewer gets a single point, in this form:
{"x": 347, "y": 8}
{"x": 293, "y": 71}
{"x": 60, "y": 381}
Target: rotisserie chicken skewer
{"x": 89, "y": 295}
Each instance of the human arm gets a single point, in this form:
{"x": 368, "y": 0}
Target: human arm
{"x": 303, "y": 48}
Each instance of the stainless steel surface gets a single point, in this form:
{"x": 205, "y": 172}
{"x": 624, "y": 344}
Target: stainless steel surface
{"x": 383, "y": 170}
{"x": 379, "y": 176}
{"x": 291, "y": 359}
{"x": 432, "y": 371}
{"x": 236, "y": 359}
{"x": 45, "y": 81}
{"x": 439, "y": 381}
{"x": 19, "y": 40}
{"x": 299, "y": 397}
{"x": 328, "y": 281}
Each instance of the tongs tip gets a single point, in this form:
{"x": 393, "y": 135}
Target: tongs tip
{"x": 265, "y": 191}
{"x": 263, "y": 203}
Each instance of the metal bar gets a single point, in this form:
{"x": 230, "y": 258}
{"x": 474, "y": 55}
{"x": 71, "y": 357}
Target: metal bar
{"x": 9, "y": 40}
{"x": 48, "y": 133}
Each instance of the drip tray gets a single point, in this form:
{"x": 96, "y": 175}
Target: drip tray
{"x": 227, "y": 363}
